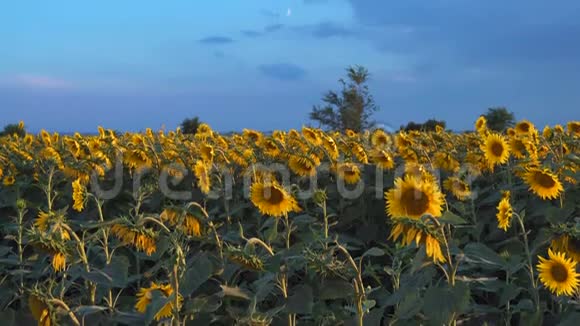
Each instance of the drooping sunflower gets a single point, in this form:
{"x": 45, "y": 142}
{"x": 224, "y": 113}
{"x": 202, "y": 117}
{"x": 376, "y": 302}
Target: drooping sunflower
{"x": 573, "y": 128}
{"x": 203, "y": 178}
{"x": 39, "y": 310}
{"x": 207, "y": 153}
{"x": 504, "y": 212}
{"x": 457, "y": 187}
{"x": 191, "y": 225}
{"x": 349, "y": 172}
{"x": 311, "y": 136}
{"x": 558, "y": 273}
{"x": 52, "y": 223}
{"x": 567, "y": 244}
{"x": 272, "y": 199}
{"x": 145, "y": 297}
{"x": 410, "y": 234}
{"x": 143, "y": 240}
{"x": 446, "y": 161}
{"x": 382, "y": 159}
{"x": 59, "y": 261}
{"x": 330, "y": 146}
{"x": 543, "y": 183}
{"x": 8, "y": 180}
{"x": 303, "y": 165}
{"x": 414, "y": 197}
{"x": 79, "y": 194}
{"x": 359, "y": 152}
{"x": 496, "y": 150}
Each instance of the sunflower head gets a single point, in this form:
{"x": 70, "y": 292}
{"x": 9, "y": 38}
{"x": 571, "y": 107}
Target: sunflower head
{"x": 379, "y": 138}
{"x": 145, "y": 297}
{"x": 524, "y": 127}
{"x": 79, "y": 194}
{"x": 457, "y": 187}
{"x": 573, "y": 128}
{"x": 504, "y": 212}
{"x": 481, "y": 124}
{"x": 201, "y": 171}
{"x": 382, "y": 159}
{"x": 349, "y": 172}
{"x": 272, "y": 199}
{"x": 543, "y": 183}
{"x": 414, "y": 197}
{"x": 558, "y": 273}
{"x": 496, "y": 150}
{"x": 569, "y": 244}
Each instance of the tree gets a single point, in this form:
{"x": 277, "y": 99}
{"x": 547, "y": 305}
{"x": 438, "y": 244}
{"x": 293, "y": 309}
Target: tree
{"x": 189, "y": 126}
{"x": 13, "y": 128}
{"x": 429, "y": 125}
{"x": 499, "y": 119}
{"x": 351, "y": 108}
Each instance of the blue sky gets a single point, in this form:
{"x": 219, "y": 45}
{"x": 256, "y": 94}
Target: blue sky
{"x": 70, "y": 65}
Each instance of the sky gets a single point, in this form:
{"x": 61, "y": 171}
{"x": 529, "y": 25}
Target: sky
{"x": 69, "y": 65}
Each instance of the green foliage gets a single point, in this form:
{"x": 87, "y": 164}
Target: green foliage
{"x": 14, "y": 129}
{"x": 429, "y": 125}
{"x": 499, "y": 118}
{"x": 190, "y": 125}
{"x": 351, "y": 108}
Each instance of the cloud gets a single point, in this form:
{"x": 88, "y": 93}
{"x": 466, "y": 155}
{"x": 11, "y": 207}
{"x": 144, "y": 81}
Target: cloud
{"x": 273, "y": 28}
{"x": 269, "y": 13}
{"x": 216, "y": 40}
{"x": 309, "y": 2}
{"x": 251, "y": 33}
{"x": 38, "y": 81}
{"x": 283, "y": 71}
{"x": 325, "y": 30}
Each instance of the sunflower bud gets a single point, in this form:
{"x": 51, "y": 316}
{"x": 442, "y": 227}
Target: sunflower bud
{"x": 319, "y": 196}
{"x": 21, "y": 204}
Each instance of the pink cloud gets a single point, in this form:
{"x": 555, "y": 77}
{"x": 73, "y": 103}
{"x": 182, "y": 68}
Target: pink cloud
{"x": 40, "y": 81}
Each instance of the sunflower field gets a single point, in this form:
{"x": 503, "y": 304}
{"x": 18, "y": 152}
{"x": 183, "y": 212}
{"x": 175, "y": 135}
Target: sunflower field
{"x": 298, "y": 227}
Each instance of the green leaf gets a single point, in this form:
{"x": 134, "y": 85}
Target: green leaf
{"x": 375, "y": 252}
{"x": 158, "y": 301}
{"x": 302, "y": 301}
{"x": 532, "y": 318}
{"x": 198, "y": 272}
{"x": 87, "y": 310}
{"x": 571, "y": 319}
{"x": 7, "y": 317}
{"x": 508, "y": 293}
{"x": 335, "y": 289}
{"x": 481, "y": 254}
{"x": 442, "y": 302}
{"x": 409, "y": 306}
{"x": 450, "y": 218}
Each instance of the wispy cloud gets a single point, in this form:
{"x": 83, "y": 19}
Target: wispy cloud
{"x": 283, "y": 71}
{"x": 38, "y": 81}
{"x": 216, "y": 40}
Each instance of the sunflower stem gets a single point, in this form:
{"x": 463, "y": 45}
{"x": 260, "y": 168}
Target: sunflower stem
{"x": 530, "y": 264}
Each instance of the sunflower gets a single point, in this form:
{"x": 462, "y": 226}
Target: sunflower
{"x": 496, "y": 150}
{"x": 137, "y": 159}
{"x": 567, "y": 244}
{"x": 524, "y": 127}
{"x": 446, "y": 161}
{"x": 517, "y": 147}
{"x": 191, "y": 225}
{"x": 382, "y": 159}
{"x": 59, "y": 262}
{"x": 543, "y": 183}
{"x": 558, "y": 273}
{"x": 350, "y": 133}
{"x": 359, "y": 152}
{"x": 547, "y": 132}
{"x": 145, "y": 297}
{"x": 457, "y": 187}
{"x": 79, "y": 193}
{"x": 481, "y": 124}
{"x": 412, "y": 234}
{"x": 53, "y": 223}
{"x": 504, "y": 212}
{"x": 311, "y": 136}
{"x": 413, "y": 197}
{"x": 141, "y": 239}
{"x": 8, "y": 180}
{"x": 303, "y": 165}
{"x": 573, "y": 128}
{"x": 349, "y": 172}
{"x": 330, "y": 146}
{"x": 379, "y": 138}
{"x": 39, "y": 310}
{"x": 252, "y": 135}
{"x": 270, "y": 148}
{"x": 207, "y": 153}
{"x": 202, "y": 174}
{"x": 272, "y": 199}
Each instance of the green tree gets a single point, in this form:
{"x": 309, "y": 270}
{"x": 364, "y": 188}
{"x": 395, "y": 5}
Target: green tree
{"x": 429, "y": 125}
{"x": 351, "y": 108}
{"x": 14, "y": 128}
{"x": 499, "y": 118}
{"x": 189, "y": 126}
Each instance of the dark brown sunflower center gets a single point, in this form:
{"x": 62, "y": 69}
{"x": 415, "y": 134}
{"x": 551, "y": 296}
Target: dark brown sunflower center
{"x": 414, "y": 201}
{"x": 559, "y": 272}
{"x": 544, "y": 180}
{"x": 497, "y": 148}
{"x": 519, "y": 146}
{"x": 459, "y": 186}
{"x": 524, "y": 127}
{"x": 273, "y": 195}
